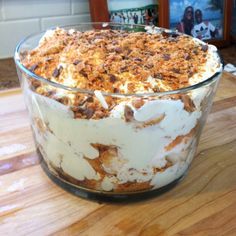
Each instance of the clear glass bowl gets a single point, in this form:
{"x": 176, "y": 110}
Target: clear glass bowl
{"x": 122, "y": 155}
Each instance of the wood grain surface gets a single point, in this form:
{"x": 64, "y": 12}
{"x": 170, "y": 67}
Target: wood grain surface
{"x": 204, "y": 203}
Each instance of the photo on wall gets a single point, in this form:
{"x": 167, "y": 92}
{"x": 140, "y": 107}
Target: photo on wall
{"x": 200, "y": 19}
{"x": 133, "y": 11}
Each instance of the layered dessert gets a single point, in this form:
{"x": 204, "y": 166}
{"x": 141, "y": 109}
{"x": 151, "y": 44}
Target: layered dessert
{"x": 114, "y": 112}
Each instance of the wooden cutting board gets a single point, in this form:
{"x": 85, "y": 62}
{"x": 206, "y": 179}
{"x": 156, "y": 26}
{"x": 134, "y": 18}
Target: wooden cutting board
{"x": 204, "y": 203}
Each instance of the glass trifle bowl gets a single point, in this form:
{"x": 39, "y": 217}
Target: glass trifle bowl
{"x": 116, "y": 110}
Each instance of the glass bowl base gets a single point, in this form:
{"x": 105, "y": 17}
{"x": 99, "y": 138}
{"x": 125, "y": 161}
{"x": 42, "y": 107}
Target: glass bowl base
{"x": 109, "y": 196}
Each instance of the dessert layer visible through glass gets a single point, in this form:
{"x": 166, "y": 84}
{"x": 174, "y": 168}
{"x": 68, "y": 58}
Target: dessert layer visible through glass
{"x": 117, "y": 109}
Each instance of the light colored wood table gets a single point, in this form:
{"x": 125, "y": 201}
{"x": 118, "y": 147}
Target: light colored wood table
{"x": 204, "y": 203}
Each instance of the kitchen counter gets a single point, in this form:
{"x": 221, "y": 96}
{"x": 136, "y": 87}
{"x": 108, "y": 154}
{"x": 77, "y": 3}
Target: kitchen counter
{"x": 204, "y": 203}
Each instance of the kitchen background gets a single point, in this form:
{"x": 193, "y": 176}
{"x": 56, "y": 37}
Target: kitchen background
{"x": 19, "y": 18}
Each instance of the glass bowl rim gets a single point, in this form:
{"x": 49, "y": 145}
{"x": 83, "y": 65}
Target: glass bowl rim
{"x": 87, "y": 91}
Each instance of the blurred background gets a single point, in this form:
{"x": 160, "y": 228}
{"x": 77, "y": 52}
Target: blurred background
{"x": 19, "y": 18}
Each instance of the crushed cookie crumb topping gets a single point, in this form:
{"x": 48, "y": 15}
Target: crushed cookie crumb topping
{"x": 106, "y": 60}
{"x": 114, "y": 61}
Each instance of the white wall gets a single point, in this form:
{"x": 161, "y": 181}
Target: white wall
{"x": 19, "y": 18}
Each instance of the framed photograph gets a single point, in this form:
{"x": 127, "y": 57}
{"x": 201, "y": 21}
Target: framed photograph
{"x": 125, "y": 11}
{"x": 208, "y": 20}
{"x": 133, "y": 11}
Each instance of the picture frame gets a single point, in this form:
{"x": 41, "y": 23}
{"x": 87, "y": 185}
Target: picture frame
{"x": 133, "y": 12}
{"x": 233, "y": 21}
{"x": 223, "y": 40}
{"x": 100, "y": 13}
{"x": 99, "y": 10}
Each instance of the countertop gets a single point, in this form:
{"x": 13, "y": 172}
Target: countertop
{"x": 204, "y": 203}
